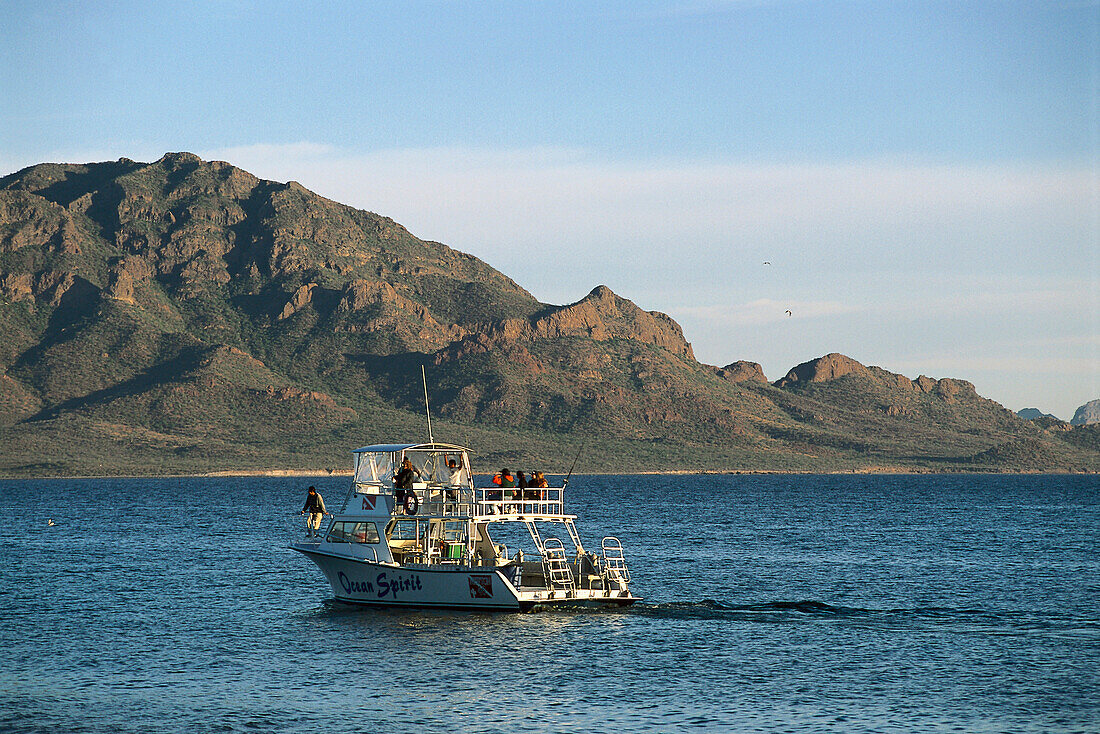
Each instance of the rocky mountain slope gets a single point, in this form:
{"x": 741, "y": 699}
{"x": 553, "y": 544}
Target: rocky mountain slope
{"x": 184, "y": 315}
{"x": 1087, "y": 414}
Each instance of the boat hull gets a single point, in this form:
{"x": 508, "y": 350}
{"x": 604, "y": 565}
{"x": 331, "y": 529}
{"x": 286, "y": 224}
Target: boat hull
{"x": 370, "y": 583}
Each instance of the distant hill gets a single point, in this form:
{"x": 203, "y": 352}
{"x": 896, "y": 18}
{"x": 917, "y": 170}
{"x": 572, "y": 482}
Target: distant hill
{"x": 1087, "y": 414}
{"x": 186, "y": 316}
{"x": 1030, "y": 414}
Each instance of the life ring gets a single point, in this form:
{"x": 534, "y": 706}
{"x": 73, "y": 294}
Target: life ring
{"x": 412, "y": 503}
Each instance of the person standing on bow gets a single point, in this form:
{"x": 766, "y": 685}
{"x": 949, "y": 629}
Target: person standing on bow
{"x": 315, "y": 506}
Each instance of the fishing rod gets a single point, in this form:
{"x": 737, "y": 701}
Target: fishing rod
{"x": 566, "y": 483}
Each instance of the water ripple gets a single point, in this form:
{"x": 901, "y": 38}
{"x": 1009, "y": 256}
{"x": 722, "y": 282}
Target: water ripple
{"x": 853, "y": 604}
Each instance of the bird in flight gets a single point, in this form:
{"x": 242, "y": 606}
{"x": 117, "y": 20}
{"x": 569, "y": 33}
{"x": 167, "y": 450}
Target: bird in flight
{"x": 767, "y": 263}
{"x": 788, "y": 313}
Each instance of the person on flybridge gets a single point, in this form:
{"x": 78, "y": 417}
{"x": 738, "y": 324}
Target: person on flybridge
{"x": 456, "y": 474}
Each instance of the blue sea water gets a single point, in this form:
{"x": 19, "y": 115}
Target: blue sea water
{"x": 771, "y": 604}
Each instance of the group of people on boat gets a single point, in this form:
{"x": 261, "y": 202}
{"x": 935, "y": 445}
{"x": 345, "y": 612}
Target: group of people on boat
{"x": 523, "y": 488}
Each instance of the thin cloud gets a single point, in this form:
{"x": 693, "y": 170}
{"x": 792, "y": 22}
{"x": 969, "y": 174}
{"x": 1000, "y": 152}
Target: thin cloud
{"x": 982, "y": 298}
{"x": 948, "y": 364}
{"x": 518, "y": 197}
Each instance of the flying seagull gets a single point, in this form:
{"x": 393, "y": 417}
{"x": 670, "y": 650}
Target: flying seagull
{"x": 767, "y": 263}
{"x": 788, "y": 313}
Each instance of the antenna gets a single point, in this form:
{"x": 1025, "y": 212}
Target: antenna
{"x": 424, "y": 379}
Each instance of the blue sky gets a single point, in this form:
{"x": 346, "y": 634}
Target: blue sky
{"x": 923, "y": 177}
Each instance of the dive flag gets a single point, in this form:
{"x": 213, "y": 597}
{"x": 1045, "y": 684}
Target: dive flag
{"x": 481, "y": 587}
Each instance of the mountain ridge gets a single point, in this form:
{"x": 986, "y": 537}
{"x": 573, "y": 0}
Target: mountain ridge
{"x": 189, "y": 316}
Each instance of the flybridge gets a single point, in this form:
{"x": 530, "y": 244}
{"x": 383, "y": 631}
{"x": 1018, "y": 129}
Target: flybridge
{"x": 441, "y": 485}
{"x": 414, "y": 530}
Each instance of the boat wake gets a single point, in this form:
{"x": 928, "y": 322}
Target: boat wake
{"x": 807, "y": 610}
{"x": 777, "y": 611}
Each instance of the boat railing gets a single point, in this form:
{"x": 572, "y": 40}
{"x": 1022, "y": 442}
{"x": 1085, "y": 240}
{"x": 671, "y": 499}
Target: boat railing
{"x": 520, "y": 501}
{"x": 441, "y": 501}
{"x": 431, "y": 499}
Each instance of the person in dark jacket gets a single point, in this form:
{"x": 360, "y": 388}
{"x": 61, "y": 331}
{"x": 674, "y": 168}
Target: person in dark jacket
{"x": 538, "y": 483}
{"x": 315, "y": 506}
{"x": 403, "y": 480}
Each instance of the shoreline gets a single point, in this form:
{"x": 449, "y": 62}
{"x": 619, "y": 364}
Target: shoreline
{"x": 322, "y": 473}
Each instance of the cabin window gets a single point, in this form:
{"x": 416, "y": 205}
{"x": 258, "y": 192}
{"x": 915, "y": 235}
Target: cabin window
{"x": 404, "y": 530}
{"x": 454, "y": 531}
{"x": 353, "y": 532}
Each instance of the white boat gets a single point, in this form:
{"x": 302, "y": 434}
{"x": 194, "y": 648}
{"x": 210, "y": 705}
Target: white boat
{"x": 445, "y": 543}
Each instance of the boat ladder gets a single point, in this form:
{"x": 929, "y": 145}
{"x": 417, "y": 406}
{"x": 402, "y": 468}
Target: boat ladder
{"x": 613, "y": 561}
{"x": 569, "y": 526}
{"x": 558, "y": 573}
{"x": 574, "y": 536}
{"x": 533, "y": 529}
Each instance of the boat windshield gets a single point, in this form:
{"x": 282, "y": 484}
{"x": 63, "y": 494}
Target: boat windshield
{"x": 434, "y": 464}
{"x": 375, "y": 468}
{"x": 353, "y": 532}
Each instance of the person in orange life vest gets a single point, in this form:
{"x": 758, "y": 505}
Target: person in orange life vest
{"x": 505, "y": 479}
